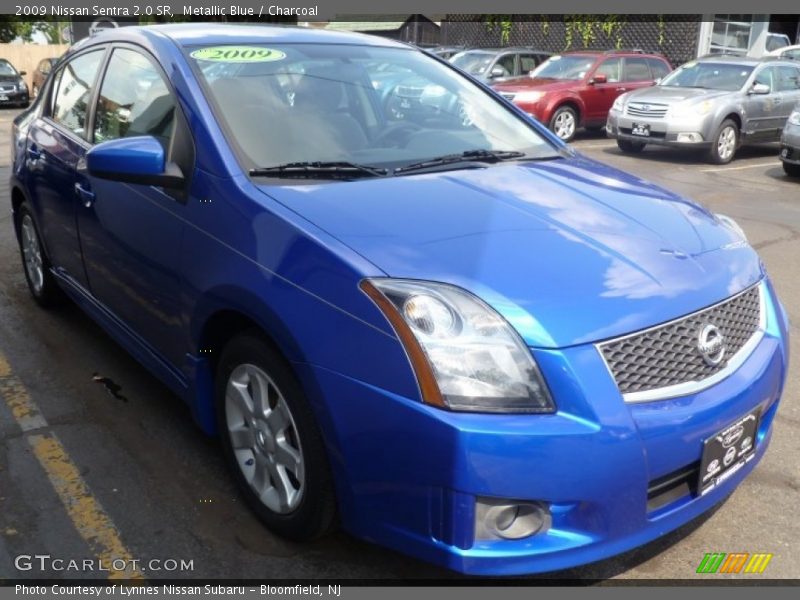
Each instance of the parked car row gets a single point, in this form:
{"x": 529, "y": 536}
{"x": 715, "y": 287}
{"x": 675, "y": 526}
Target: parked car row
{"x": 13, "y": 89}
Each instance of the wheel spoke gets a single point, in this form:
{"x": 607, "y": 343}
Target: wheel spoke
{"x": 288, "y": 457}
{"x": 283, "y": 486}
{"x": 261, "y": 472}
{"x": 237, "y": 396}
{"x": 278, "y": 418}
{"x": 242, "y": 438}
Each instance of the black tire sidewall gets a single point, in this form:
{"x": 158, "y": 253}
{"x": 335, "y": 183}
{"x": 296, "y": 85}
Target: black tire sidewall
{"x": 791, "y": 170}
{"x": 559, "y": 110}
{"x": 315, "y": 514}
{"x": 51, "y": 293}
{"x": 630, "y": 147}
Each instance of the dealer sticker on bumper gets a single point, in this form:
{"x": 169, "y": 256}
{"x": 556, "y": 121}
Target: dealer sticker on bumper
{"x": 727, "y": 452}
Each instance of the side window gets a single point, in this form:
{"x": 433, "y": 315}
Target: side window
{"x": 71, "y": 96}
{"x": 788, "y": 79}
{"x": 792, "y": 54}
{"x": 636, "y": 69}
{"x": 768, "y": 77}
{"x": 133, "y": 100}
{"x": 658, "y": 67}
{"x": 527, "y": 63}
{"x": 611, "y": 69}
{"x": 507, "y": 62}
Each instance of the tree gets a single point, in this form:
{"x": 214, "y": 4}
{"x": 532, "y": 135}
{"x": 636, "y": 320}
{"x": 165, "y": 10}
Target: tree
{"x": 13, "y": 27}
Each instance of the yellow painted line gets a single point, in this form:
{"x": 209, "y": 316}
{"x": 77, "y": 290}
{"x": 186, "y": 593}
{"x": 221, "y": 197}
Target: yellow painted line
{"x": 774, "y": 163}
{"x": 91, "y": 521}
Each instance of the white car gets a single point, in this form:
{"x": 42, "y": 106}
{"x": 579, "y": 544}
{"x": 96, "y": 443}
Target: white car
{"x": 786, "y": 52}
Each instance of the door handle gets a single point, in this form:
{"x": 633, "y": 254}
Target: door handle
{"x": 33, "y": 153}
{"x": 622, "y": 89}
{"x": 86, "y": 196}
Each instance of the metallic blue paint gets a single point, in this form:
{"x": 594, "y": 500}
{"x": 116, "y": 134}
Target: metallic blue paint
{"x": 142, "y": 155}
{"x": 569, "y": 251}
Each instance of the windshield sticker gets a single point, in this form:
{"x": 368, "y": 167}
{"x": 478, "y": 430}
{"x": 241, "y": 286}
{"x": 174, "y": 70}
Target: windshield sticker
{"x": 238, "y": 54}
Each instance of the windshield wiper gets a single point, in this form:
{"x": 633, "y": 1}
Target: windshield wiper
{"x": 486, "y": 156}
{"x": 319, "y": 170}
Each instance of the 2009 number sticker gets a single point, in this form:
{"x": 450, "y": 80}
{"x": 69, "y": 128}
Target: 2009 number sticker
{"x": 238, "y": 54}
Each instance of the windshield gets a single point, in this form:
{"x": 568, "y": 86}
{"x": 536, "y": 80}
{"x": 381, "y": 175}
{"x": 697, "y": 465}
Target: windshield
{"x": 381, "y": 107}
{"x": 570, "y": 68}
{"x": 712, "y": 76}
{"x": 6, "y": 68}
{"x": 474, "y": 63}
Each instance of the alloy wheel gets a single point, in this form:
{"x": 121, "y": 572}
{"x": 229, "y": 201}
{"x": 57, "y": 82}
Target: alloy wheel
{"x": 726, "y": 143}
{"x": 264, "y": 438}
{"x": 32, "y": 254}
{"x": 564, "y": 125}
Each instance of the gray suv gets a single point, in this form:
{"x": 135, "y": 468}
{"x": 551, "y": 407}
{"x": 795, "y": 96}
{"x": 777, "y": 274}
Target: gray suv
{"x": 715, "y": 102}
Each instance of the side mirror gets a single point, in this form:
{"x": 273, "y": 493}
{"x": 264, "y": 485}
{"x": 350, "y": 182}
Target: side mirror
{"x": 23, "y": 72}
{"x": 760, "y": 88}
{"x": 599, "y": 79}
{"x": 138, "y": 160}
{"x": 657, "y": 80}
{"x": 497, "y": 71}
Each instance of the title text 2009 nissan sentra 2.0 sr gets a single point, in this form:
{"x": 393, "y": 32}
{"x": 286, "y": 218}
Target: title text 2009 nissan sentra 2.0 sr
{"x": 471, "y": 343}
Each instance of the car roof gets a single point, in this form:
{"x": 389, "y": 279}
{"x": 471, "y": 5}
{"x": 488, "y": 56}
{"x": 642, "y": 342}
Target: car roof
{"x": 729, "y": 58}
{"x": 501, "y": 50}
{"x": 187, "y": 34}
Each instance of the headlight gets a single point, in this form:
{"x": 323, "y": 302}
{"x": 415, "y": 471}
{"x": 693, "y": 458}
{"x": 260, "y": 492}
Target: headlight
{"x": 22, "y": 86}
{"x": 619, "y": 104}
{"x": 690, "y": 110}
{"x": 528, "y": 97}
{"x": 794, "y": 118}
{"x": 465, "y": 355}
{"x": 731, "y": 224}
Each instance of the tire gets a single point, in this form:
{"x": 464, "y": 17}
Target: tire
{"x": 278, "y": 459}
{"x": 791, "y": 170}
{"x": 564, "y": 123}
{"x": 35, "y": 263}
{"x": 724, "y": 143}
{"x": 630, "y": 147}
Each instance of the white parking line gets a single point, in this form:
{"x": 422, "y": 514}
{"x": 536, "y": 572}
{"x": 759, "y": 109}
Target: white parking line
{"x": 717, "y": 169}
{"x": 606, "y": 145}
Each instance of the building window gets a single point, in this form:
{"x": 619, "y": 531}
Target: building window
{"x": 731, "y": 34}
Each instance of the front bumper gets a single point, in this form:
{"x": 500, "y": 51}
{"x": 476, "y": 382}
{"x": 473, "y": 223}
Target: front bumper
{"x": 409, "y": 475}
{"x": 664, "y": 132}
{"x": 790, "y": 145}
{"x": 14, "y": 98}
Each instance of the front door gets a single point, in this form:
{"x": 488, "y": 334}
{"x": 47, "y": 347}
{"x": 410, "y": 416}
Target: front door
{"x": 598, "y": 97}
{"x": 131, "y": 234}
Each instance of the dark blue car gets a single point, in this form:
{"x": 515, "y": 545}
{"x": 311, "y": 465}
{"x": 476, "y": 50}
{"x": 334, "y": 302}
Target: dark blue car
{"x": 447, "y": 332}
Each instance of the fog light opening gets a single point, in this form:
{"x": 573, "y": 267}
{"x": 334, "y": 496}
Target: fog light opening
{"x": 691, "y": 138}
{"x": 501, "y": 519}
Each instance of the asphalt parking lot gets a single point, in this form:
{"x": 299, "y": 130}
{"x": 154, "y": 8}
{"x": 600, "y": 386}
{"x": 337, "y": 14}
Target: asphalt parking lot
{"x": 146, "y": 477}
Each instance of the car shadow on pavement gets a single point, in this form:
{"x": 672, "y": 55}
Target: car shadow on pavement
{"x": 698, "y": 157}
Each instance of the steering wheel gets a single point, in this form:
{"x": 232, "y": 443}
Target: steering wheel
{"x": 396, "y": 134}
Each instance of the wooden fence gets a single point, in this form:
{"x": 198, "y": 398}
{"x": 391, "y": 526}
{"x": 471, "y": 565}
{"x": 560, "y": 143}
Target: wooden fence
{"x": 25, "y": 57}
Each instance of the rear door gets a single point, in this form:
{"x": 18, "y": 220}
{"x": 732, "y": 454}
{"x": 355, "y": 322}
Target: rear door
{"x": 131, "y": 234}
{"x": 637, "y": 73}
{"x": 765, "y": 121}
{"x": 528, "y": 61}
{"x": 57, "y": 142}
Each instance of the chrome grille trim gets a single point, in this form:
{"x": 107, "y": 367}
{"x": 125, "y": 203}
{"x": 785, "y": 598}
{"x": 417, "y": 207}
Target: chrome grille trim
{"x": 695, "y": 385}
{"x": 654, "y": 111}
{"x": 7, "y": 88}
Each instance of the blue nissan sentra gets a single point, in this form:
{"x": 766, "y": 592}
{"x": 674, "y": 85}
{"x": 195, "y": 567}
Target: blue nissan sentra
{"x": 412, "y": 312}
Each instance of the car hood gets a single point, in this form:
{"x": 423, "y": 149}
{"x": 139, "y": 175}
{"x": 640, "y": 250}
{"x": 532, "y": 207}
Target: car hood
{"x": 521, "y": 84}
{"x": 569, "y": 250}
{"x": 670, "y": 95}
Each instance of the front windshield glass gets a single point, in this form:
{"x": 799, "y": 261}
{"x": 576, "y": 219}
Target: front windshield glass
{"x": 6, "y": 68}
{"x": 572, "y": 68}
{"x": 474, "y": 63}
{"x": 707, "y": 75}
{"x": 382, "y": 107}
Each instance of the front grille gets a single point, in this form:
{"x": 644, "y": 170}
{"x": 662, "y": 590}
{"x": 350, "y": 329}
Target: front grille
{"x": 4, "y": 89}
{"x": 669, "y": 354}
{"x": 673, "y": 486}
{"x": 645, "y": 109}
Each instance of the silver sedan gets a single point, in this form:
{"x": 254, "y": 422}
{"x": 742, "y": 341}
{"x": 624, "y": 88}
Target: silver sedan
{"x": 790, "y": 144}
{"x": 716, "y": 103}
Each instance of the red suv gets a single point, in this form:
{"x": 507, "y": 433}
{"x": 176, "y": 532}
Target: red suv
{"x": 577, "y": 89}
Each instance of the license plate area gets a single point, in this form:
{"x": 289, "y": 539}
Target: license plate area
{"x": 727, "y": 451}
{"x": 642, "y": 129}
{"x": 3, "y": 97}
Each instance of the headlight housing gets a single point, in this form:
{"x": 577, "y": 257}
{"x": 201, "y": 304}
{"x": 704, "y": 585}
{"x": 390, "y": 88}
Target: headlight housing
{"x": 22, "y": 86}
{"x": 731, "y": 224}
{"x": 794, "y": 118}
{"x": 619, "y": 104}
{"x": 690, "y": 110}
{"x": 528, "y": 97}
{"x": 465, "y": 355}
